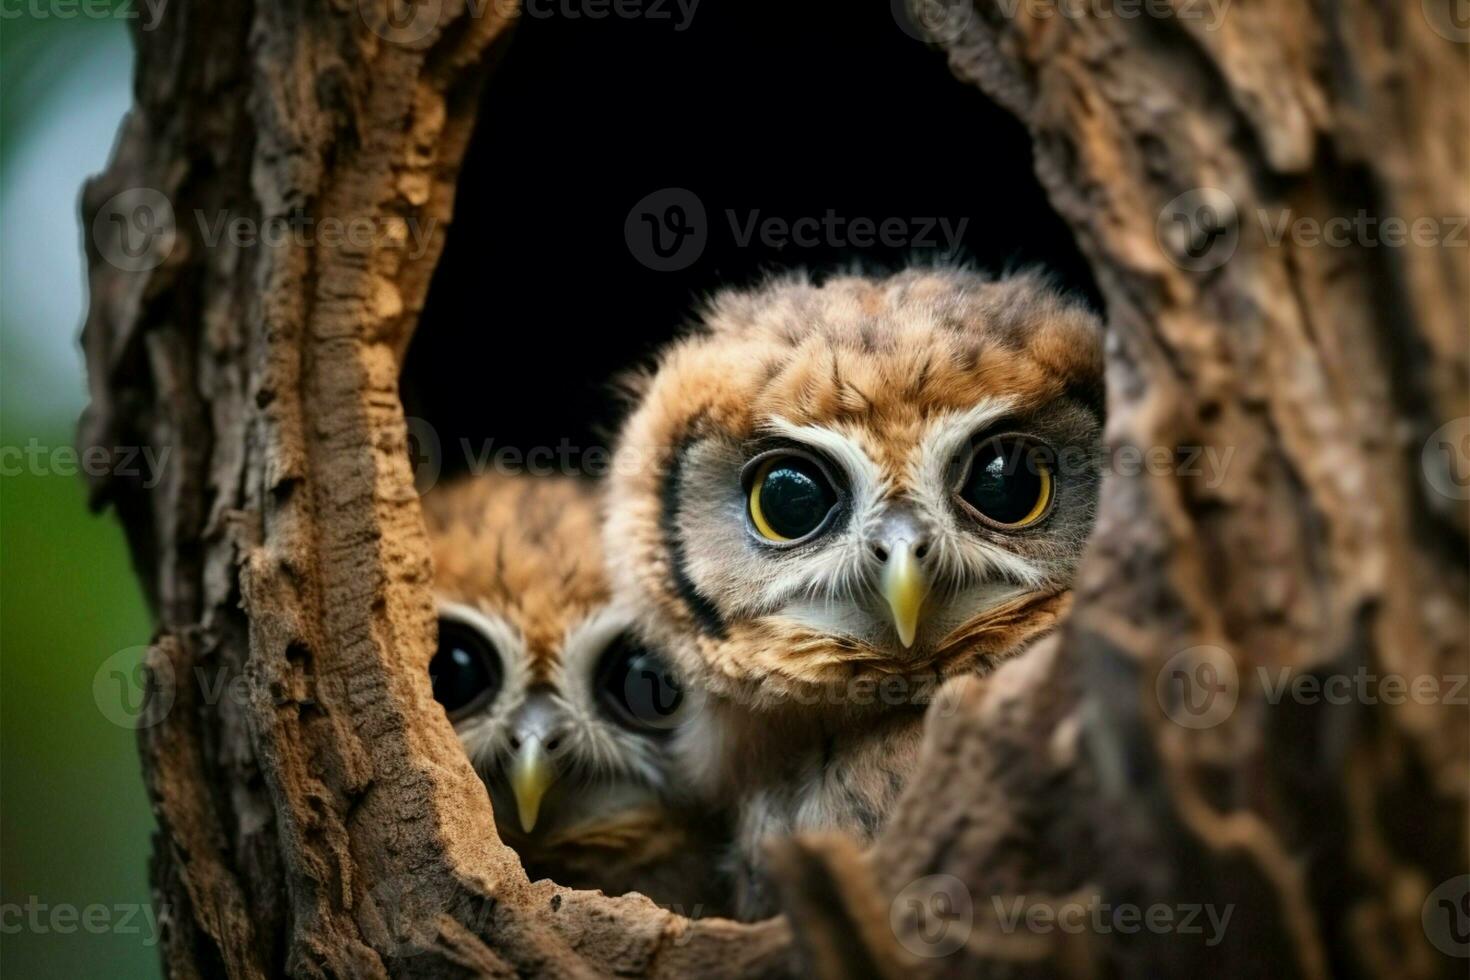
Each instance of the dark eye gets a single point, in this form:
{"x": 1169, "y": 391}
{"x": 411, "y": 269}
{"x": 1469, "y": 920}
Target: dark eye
{"x": 638, "y": 687}
{"x": 790, "y": 497}
{"x": 465, "y": 670}
{"x": 1010, "y": 481}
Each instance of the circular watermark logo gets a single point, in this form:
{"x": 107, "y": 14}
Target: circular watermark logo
{"x": 425, "y": 454}
{"x": 1200, "y": 229}
{"x": 135, "y": 230}
{"x": 1450, "y": 19}
{"x": 387, "y": 917}
{"x": 932, "y": 916}
{"x": 653, "y": 694}
{"x": 400, "y": 916}
{"x": 1446, "y": 917}
{"x": 938, "y": 21}
{"x": 667, "y": 230}
{"x": 405, "y": 22}
{"x": 1446, "y": 459}
{"x": 1198, "y": 687}
{"x": 129, "y": 693}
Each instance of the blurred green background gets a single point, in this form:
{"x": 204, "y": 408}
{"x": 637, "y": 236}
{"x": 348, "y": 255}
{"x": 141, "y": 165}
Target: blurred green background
{"x": 74, "y": 820}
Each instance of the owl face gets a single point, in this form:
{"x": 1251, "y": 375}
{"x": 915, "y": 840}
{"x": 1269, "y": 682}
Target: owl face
{"x": 869, "y": 477}
{"x": 563, "y": 714}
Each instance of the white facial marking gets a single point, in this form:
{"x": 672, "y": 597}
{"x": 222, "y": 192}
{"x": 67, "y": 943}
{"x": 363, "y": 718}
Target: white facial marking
{"x": 832, "y": 589}
{"x": 484, "y": 732}
{"x": 961, "y": 556}
{"x": 599, "y": 747}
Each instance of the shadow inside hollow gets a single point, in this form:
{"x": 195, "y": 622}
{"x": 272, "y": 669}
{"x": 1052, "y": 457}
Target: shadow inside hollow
{"x": 807, "y": 137}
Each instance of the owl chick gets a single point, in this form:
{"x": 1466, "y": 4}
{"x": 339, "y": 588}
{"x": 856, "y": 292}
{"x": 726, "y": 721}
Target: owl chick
{"x": 831, "y": 497}
{"x": 566, "y": 718}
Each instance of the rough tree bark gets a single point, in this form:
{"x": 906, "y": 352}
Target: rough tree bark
{"x": 325, "y": 823}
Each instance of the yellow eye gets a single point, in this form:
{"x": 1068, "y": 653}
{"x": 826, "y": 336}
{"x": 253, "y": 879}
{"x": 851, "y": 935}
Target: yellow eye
{"x": 790, "y": 498}
{"x": 1010, "y": 483}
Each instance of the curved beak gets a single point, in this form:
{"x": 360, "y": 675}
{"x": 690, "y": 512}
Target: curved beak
{"x": 904, "y": 588}
{"x": 531, "y": 775}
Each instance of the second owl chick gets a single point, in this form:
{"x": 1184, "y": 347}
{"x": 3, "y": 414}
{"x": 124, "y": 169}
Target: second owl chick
{"x": 840, "y": 492}
{"x": 566, "y": 718}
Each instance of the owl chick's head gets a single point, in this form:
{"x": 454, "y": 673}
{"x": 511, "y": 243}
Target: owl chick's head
{"x": 563, "y": 714}
{"x": 867, "y": 477}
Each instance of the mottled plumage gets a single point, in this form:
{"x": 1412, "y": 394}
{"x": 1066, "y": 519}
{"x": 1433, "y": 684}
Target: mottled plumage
{"x": 927, "y": 446}
{"x": 563, "y": 719}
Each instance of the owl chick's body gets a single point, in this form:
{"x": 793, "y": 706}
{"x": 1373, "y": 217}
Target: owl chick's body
{"x": 566, "y": 719}
{"x": 833, "y": 497}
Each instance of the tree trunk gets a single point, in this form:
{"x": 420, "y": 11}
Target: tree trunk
{"x": 320, "y": 818}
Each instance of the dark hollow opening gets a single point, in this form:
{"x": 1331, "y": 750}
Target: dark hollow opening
{"x": 550, "y": 284}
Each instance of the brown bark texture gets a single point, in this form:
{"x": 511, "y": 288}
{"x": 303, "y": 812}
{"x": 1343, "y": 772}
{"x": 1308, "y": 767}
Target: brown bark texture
{"x": 325, "y": 821}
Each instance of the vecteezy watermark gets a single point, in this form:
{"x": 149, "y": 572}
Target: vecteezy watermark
{"x": 1361, "y": 686}
{"x": 405, "y": 22}
{"x": 146, "y": 464}
{"x": 668, "y": 230}
{"x": 932, "y": 916}
{"x": 929, "y": 691}
{"x": 1090, "y": 913}
{"x": 1450, "y": 19}
{"x": 933, "y": 21}
{"x": 64, "y": 919}
{"x": 1446, "y": 917}
{"x": 841, "y": 232}
{"x": 679, "y": 14}
{"x": 944, "y": 21}
{"x": 695, "y": 911}
{"x": 390, "y": 918}
{"x": 1210, "y": 464}
{"x": 427, "y": 458}
{"x": 149, "y": 13}
{"x": 132, "y": 693}
{"x": 1208, "y": 14}
{"x": 1199, "y": 687}
{"x": 1363, "y": 230}
{"x": 654, "y": 695}
{"x": 429, "y": 455}
{"x": 395, "y": 915}
{"x": 425, "y": 454}
{"x": 137, "y": 230}
{"x": 135, "y": 690}
{"x": 412, "y": 23}
{"x": 307, "y": 231}
{"x": 1201, "y": 229}
{"x": 1446, "y": 459}
{"x": 400, "y": 915}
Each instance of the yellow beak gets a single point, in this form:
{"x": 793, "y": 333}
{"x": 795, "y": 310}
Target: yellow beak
{"x": 904, "y": 588}
{"x": 531, "y": 775}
